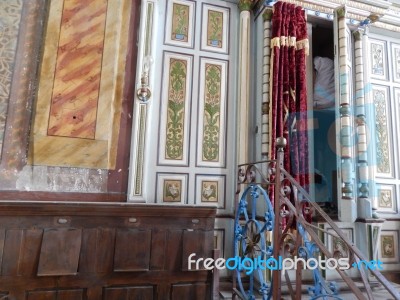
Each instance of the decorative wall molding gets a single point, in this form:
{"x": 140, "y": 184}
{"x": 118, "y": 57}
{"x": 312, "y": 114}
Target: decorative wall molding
{"x": 357, "y": 11}
{"x": 186, "y": 129}
{"x": 140, "y": 126}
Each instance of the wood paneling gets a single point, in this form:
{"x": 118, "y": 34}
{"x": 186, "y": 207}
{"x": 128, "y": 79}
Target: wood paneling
{"x": 193, "y": 291}
{"x": 42, "y": 295}
{"x": 30, "y": 252}
{"x": 103, "y": 251}
{"x": 70, "y": 294}
{"x": 173, "y": 250}
{"x": 2, "y": 240}
{"x": 76, "y": 294}
{"x": 87, "y": 260}
{"x": 129, "y": 293}
{"x": 158, "y": 243}
{"x": 195, "y": 242}
{"x": 132, "y": 250}
{"x": 12, "y": 247}
{"x": 59, "y": 253}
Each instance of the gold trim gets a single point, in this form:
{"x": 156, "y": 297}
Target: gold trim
{"x": 149, "y": 29}
{"x": 140, "y": 150}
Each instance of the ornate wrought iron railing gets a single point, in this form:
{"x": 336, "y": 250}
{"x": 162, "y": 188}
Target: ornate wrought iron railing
{"x": 284, "y": 230}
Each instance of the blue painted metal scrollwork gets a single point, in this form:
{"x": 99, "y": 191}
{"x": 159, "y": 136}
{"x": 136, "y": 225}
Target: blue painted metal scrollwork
{"x": 250, "y": 242}
{"x": 321, "y": 289}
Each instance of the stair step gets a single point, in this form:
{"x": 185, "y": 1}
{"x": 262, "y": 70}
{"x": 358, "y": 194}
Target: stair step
{"x": 345, "y": 293}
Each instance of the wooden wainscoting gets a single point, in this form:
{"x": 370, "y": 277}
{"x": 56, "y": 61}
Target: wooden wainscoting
{"x": 103, "y": 251}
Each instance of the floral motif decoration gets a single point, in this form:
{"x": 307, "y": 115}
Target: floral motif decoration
{"x": 212, "y": 105}
{"x": 377, "y": 59}
{"x": 172, "y": 191}
{"x": 382, "y": 141}
{"x": 385, "y": 199}
{"x": 340, "y": 249}
{"x": 10, "y": 16}
{"x": 397, "y": 64}
{"x": 215, "y": 29}
{"x": 209, "y": 191}
{"x": 387, "y": 246}
{"x": 180, "y": 23}
{"x": 176, "y": 109}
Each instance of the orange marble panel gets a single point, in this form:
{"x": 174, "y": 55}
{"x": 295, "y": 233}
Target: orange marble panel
{"x": 75, "y": 94}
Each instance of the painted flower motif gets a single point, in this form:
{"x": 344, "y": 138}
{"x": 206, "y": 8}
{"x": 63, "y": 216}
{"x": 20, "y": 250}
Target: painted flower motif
{"x": 210, "y": 192}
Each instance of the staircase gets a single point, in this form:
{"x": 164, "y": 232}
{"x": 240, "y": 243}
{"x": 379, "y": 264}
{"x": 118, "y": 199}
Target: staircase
{"x": 285, "y": 230}
{"x": 378, "y": 292}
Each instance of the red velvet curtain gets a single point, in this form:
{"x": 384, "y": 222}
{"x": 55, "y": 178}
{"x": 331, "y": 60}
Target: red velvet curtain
{"x": 288, "y": 110}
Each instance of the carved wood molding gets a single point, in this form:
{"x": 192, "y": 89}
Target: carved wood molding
{"x": 18, "y": 208}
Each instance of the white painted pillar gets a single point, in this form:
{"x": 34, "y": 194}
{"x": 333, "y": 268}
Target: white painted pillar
{"x": 347, "y": 203}
{"x": 267, "y": 15}
{"x": 244, "y": 83}
{"x": 370, "y": 112}
{"x": 363, "y": 202}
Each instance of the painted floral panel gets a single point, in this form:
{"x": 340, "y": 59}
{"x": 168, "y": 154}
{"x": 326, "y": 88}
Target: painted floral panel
{"x": 212, "y": 112}
{"x": 172, "y": 191}
{"x": 378, "y": 59}
{"x": 385, "y": 198}
{"x": 340, "y": 248}
{"x": 209, "y": 191}
{"x": 213, "y": 86}
{"x": 387, "y": 246}
{"x": 176, "y": 109}
{"x": 180, "y": 22}
{"x": 396, "y": 62}
{"x": 10, "y": 17}
{"x": 381, "y": 127}
{"x": 215, "y": 28}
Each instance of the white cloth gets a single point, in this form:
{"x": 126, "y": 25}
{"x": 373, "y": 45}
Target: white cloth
{"x": 324, "y": 84}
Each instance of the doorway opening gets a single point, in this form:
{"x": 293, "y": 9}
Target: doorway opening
{"x": 321, "y": 77}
